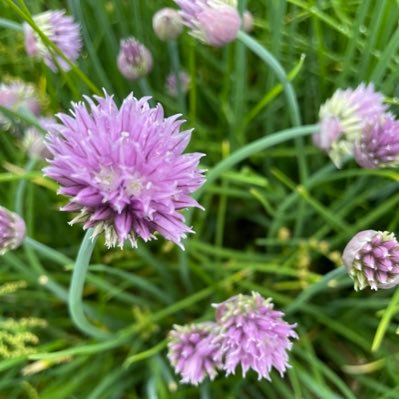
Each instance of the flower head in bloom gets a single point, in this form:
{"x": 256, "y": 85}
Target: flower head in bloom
{"x": 247, "y": 21}
{"x": 33, "y": 140}
{"x": 344, "y": 117}
{"x": 193, "y": 351}
{"x": 378, "y": 146}
{"x": 62, "y": 30}
{"x": 171, "y": 83}
{"x": 12, "y": 230}
{"x": 124, "y": 169}
{"x": 254, "y": 335}
{"x": 215, "y": 22}
{"x": 134, "y": 59}
{"x": 167, "y": 24}
{"x": 18, "y": 95}
{"x": 372, "y": 259}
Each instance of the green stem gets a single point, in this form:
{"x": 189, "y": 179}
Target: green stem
{"x": 322, "y": 284}
{"x": 175, "y": 59}
{"x": 76, "y": 288}
{"x": 145, "y": 354}
{"x": 6, "y": 23}
{"x": 20, "y": 192}
{"x": 48, "y": 252}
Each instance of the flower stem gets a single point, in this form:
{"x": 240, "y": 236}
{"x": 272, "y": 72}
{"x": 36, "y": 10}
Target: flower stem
{"x": 6, "y": 23}
{"x": 20, "y": 192}
{"x": 324, "y": 282}
{"x": 175, "y": 59}
{"x": 76, "y": 288}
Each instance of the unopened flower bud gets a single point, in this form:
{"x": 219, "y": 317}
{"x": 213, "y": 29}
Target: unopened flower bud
{"x": 12, "y": 230}
{"x": 171, "y": 83}
{"x": 247, "y": 21}
{"x": 372, "y": 259}
{"x": 167, "y": 24}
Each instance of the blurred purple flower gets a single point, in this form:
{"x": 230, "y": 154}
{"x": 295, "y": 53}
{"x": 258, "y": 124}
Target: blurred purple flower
{"x": 134, "y": 59}
{"x": 12, "y": 230}
{"x": 33, "y": 140}
{"x": 378, "y": 146}
{"x": 167, "y": 24}
{"x": 19, "y": 95}
{"x": 215, "y": 22}
{"x": 171, "y": 83}
{"x": 62, "y": 30}
{"x": 372, "y": 259}
{"x": 193, "y": 351}
{"x": 344, "y": 117}
{"x": 124, "y": 169}
{"x": 254, "y": 335}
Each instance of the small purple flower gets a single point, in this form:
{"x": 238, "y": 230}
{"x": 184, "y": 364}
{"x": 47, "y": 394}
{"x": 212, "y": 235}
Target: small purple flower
{"x": 167, "y": 24}
{"x": 193, "y": 351}
{"x": 215, "y": 22}
{"x": 247, "y": 21}
{"x": 18, "y": 95}
{"x": 124, "y": 169}
{"x": 379, "y": 145}
{"x": 171, "y": 83}
{"x": 33, "y": 140}
{"x": 344, "y": 117}
{"x": 134, "y": 59}
{"x": 372, "y": 259}
{"x": 62, "y": 30}
{"x": 12, "y": 230}
{"x": 254, "y": 335}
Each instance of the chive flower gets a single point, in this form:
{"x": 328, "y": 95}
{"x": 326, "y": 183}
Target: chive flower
{"x": 255, "y": 336}
{"x": 378, "y": 147}
{"x": 167, "y": 24}
{"x": 214, "y": 22}
{"x": 344, "y": 117}
{"x": 193, "y": 351}
{"x": 171, "y": 83}
{"x": 12, "y": 230}
{"x": 372, "y": 260}
{"x": 134, "y": 59}
{"x": 59, "y": 28}
{"x": 124, "y": 169}
{"x": 33, "y": 140}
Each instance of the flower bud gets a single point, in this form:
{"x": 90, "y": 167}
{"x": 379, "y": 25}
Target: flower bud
{"x": 167, "y": 24}
{"x": 134, "y": 59}
{"x": 247, "y": 21}
{"x": 171, "y": 83}
{"x": 372, "y": 259}
{"x": 12, "y": 230}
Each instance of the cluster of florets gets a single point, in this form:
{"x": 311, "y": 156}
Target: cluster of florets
{"x": 12, "y": 230}
{"x": 247, "y": 332}
{"x": 355, "y": 122}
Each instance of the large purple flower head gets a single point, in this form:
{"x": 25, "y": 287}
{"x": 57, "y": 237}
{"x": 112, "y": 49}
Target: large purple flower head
{"x": 193, "y": 351}
{"x": 134, "y": 59}
{"x": 12, "y": 230}
{"x": 379, "y": 145}
{"x": 62, "y": 30}
{"x": 254, "y": 335}
{"x": 215, "y": 22}
{"x": 124, "y": 169}
{"x": 18, "y": 95}
{"x": 344, "y": 117}
{"x": 372, "y": 259}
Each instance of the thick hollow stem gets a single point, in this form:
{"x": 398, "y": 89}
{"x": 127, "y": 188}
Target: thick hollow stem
{"x": 175, "y": 59}
{"x": 76, "y": 289}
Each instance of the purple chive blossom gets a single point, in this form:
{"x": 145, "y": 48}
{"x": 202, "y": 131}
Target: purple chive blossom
{"x": 215, "y": 22}
{"x": 134, "y": 59}
{"x": 379, "y": 145}
{"x": 124, "y": 169}
{"x": 193, "y": 351}
{"x": 254, "y": 335}
{"x": 372, "y": 259}
{"x": 344, "y": 117}
{"x": 171, "y": 83}
{"x": 33, "y": 141}
{"x": 62, "y": 30}
{"x": 12, "y": 230}
{"x": 18, "y": 96}
{"x": 167, "y": 24}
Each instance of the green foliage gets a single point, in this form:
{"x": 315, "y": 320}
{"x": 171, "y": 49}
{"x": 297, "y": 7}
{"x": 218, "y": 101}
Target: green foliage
{"x": 276, "y": 219}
